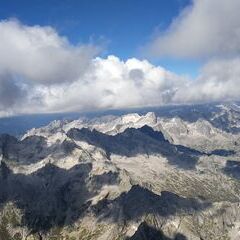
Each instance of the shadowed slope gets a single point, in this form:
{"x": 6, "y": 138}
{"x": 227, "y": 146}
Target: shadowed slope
{"x": 53, "y": 197}
{"x": 146, "y": 232}
{"x": 32, "y": 149}
{"x": 129, "y": 143}
{"x": 139, "y": 202}
{"x": 133, "y": 141}
{"x": 48, "y": 195}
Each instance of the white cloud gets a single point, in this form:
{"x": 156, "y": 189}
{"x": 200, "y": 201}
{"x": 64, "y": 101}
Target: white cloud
{"x": 112, "y": 83}
{"x": 219, "y": 81}
{"x": 33, "y": 55}
{"x": 39, "y": 54}
{"x": 42, "y": 72}
{"x": 207, "y": 28}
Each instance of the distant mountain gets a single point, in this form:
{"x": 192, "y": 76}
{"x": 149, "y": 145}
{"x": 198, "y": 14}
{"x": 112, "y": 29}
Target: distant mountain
{"x": 221, "y": 115}
{"x": 144, "y": 175}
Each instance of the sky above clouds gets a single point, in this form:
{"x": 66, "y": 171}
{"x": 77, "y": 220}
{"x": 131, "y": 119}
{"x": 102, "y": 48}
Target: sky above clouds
{"x": 129, "y": 57}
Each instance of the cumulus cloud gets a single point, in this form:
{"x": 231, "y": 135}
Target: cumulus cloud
{"x": 40, "y": 55}
{"x": 112, "y": 83}
{"x": 207, "y": 28}
{"x": 41, "y": 72}
{"x": 210, "y": 31}
{"x": 219, "y": 81}
{"x": 31, "y": 56}
{"x": 10, "y": 92}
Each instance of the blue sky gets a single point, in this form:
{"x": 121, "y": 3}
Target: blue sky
{"x": 122, "y": 26}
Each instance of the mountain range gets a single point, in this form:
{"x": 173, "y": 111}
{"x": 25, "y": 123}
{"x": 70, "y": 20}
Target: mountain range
{"x": 172, "y": 173}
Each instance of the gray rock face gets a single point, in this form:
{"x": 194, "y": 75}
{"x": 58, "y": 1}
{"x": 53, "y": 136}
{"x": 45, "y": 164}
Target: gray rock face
{"x": 128, "y": 177}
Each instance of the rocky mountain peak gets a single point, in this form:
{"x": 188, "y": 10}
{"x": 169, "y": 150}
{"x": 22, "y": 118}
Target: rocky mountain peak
{"x": 124, "y": 176}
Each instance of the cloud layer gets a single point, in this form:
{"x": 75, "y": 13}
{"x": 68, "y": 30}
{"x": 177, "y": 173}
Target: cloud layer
{"x": 42, "y": 72}
{"x": 207, "y": 28}
{"x": 40, "y": 54}
{"x": 219, "y": 81}
{"x": 33, "y": 57}
{"x": 112, "y": 83}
